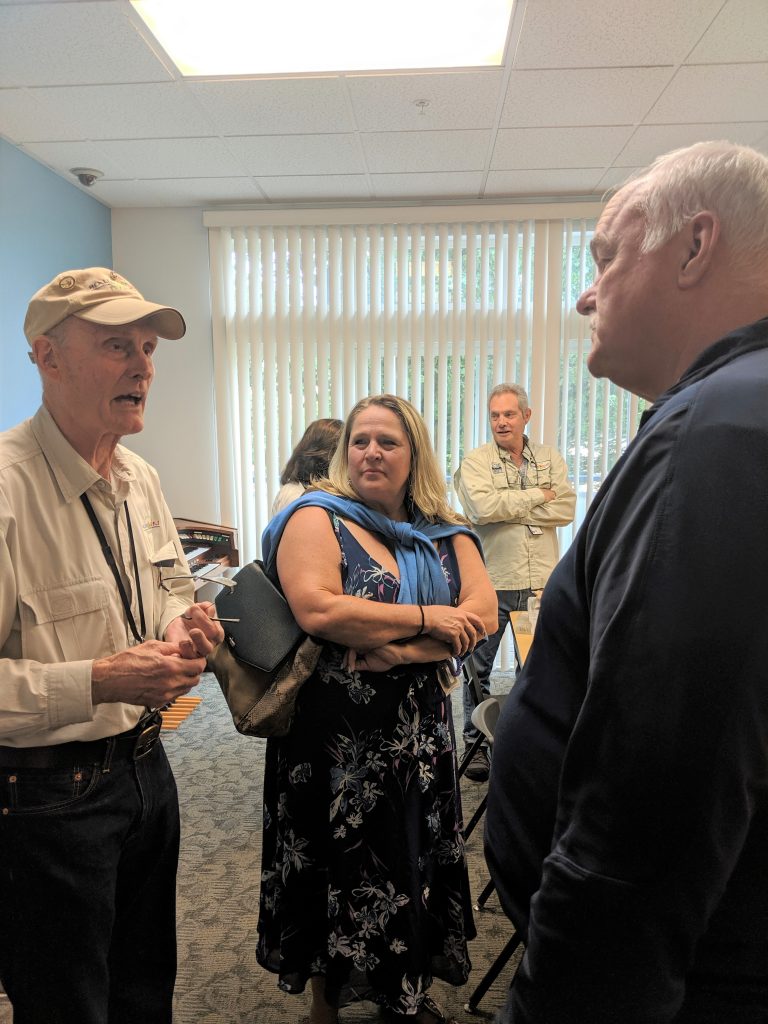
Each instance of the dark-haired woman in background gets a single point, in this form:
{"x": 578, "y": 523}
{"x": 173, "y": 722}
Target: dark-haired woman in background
{"x": 308, "y": 462}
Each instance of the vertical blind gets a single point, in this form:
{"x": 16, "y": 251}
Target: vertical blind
{"x": 308, "y": 318}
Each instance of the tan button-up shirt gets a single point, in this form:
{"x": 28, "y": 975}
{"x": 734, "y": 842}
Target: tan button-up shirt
{"x": 59, "y": 604}
{"x": 503, "y": 504}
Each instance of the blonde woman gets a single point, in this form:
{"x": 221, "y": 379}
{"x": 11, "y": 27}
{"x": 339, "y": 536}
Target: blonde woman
{"x": 364, "y": 883}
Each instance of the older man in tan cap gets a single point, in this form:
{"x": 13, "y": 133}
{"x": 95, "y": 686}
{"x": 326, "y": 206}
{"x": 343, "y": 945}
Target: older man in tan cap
{"x": 98, "y": 629}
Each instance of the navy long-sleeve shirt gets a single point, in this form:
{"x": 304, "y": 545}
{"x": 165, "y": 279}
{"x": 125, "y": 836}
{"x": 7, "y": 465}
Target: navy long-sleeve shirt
{"x": 627, "y": 825}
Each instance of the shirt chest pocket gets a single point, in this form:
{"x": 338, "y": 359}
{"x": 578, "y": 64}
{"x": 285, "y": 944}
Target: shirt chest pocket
{"x": 67, "y": 621}
{"x": 540, "y": 474}
{"x": 505, "y": 477}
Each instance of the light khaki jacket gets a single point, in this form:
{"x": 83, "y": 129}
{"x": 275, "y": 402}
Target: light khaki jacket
{"x": 501, "y": 507}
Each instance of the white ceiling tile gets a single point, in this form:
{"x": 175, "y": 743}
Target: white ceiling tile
{"x": 168, "y": 158}
{"x": 61, "y": 156}
{"x": 178, "y": 192}
{"x": 650, "y": 141}
{"x": 611, "y": 33}
{"x": 595, "y": 89}
{"x": 738, "y": 33}
{"x": 521, "y": 148}
{"x": 615, "y": 177}
{"x": 454, "y": 100}
{"x": 294, "y": 154}
{"x": 73, "y": 44}
{"x": 26, "y": 116}
{"x": 427, "y": 186}
{"x": 723, "y": 92}
{"x": 143, "y": 158}
{"x": 593, "y": 96}
{"x": 575, "y": 181}
{"x": 337, "y": 187}
{"x": 425, "y": 151}
{"x": 275, "y": 106}
{"x": 117, "y": 112}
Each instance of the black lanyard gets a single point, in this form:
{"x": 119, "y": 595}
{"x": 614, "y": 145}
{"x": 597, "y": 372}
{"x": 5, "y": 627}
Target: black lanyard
{"x": 522, "y": 469}
{"x": 139, "y": 637}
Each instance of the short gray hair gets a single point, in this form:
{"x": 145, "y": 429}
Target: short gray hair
{"x": 59, "y": 331}
{"x": 511, "y": 389}
{"x": 56, "y": 334}
{"x": 728, "y": 179}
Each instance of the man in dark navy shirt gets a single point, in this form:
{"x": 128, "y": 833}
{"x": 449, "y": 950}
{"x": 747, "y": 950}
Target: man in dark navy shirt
{"x": 627, "y": 828}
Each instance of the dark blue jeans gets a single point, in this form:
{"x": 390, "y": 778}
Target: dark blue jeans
{"x": 88, "y": 892}
{"x": 485, "y": 655}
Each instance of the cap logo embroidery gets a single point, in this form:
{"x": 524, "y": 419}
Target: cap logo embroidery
{"x": 67, "y": 282}
{"x": 116, "y": 284}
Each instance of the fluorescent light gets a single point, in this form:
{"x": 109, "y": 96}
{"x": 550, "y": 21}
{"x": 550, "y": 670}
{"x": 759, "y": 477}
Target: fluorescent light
{"x": 248, "y": 37}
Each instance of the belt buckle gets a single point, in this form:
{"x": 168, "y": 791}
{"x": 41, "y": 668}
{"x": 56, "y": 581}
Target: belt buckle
{"x": 147, "y": 738}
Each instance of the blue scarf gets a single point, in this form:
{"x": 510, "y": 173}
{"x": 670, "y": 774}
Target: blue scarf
{"x": 422, "y": 580}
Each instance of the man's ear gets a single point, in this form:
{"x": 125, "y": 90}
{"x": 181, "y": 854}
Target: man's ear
{"x": 700, "y": 237}
{"x": 44, "y": 355}
{"x": 527, "y": 415}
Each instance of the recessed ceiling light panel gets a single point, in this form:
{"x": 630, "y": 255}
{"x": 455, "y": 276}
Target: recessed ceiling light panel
{"x": 241, "y": 37}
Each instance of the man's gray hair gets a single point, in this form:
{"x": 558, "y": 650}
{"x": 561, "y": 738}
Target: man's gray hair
{"x": 59, "y": 331}
{"x": 57, "y": 334}
{"x": 729, "y": 180}
{"x": 511, "y": 389}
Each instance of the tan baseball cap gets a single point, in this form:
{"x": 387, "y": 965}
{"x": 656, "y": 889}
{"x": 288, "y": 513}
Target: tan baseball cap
{"x": 100, "y": 296}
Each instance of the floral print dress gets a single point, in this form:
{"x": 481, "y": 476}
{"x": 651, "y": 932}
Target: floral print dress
{"x": 364, "y": 878}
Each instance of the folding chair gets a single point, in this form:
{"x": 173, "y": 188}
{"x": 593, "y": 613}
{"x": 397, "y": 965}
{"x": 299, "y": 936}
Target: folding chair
{"x": 471, "y": 677}
{"x": 485, "y": 717}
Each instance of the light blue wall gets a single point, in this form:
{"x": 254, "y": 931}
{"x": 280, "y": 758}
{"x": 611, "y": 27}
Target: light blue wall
{"x": 46, "y": 226}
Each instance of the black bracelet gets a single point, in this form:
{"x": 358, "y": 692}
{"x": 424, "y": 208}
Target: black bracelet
{"x": 421, "y": 627}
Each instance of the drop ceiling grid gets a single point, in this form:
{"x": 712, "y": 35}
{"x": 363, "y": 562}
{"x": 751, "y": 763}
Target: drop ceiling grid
{"x": 597, "y": 88}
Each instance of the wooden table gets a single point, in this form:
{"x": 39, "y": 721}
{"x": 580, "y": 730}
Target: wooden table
{"x": 521, "y": 640}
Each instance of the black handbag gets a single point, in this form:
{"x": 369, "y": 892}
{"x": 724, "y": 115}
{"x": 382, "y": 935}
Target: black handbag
{"x": 265, "y": 656}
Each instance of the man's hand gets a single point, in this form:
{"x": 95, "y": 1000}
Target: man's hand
{"x": 153, "y": 674}
{"x": 195, "y": 631}
{"x": 549, "y": 494}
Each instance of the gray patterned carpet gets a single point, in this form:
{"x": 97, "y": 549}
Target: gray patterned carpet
{"x": 219, "y": 775}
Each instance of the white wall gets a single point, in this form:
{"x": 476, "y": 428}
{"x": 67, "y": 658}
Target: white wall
{"x": 164, "y": 252}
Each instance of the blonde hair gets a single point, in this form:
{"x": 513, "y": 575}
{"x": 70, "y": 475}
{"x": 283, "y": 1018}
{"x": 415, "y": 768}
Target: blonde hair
{"x": 426, "y": 486}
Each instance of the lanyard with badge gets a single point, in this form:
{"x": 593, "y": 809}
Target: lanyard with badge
{"x": 149, "y": 725}
{"x": 139, "y": 637}
{"x": 522, "y": 475}
{"x": 521, "y": 470}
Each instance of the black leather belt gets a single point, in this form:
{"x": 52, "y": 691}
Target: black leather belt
{"x": 127, "y": 746}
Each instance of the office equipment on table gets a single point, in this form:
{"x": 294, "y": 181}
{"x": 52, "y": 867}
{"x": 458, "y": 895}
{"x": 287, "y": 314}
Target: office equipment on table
{"x": 208, "y": 547}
